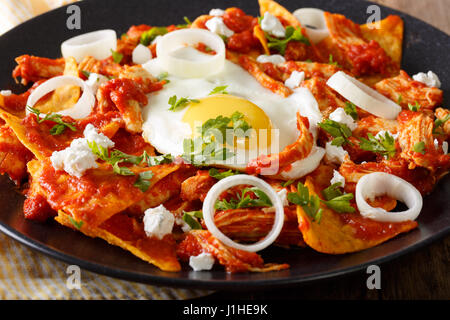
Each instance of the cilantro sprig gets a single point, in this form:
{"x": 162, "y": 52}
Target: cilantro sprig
{"x": 244, "y": 200}
{"x": 236, "y": 123}
{"x": 219, "y": 90}
{"x": 117, "y": 56}
{"x": 292, "y": 34}
{"x": 60, "y": 125}
{"x": 341, "y": 203}
{"x": 438, "y": 123}
{"x": 76, "y": 224}
{"x": 350, "y": 109}
{"x": 414, "y": 107}
{"x": 148, "y": 36}
{"x": 309, "y": 203}
{"x": 176, "y": 104}
{"x": 419, "y": 147}
{"x": 340, "y": 131}
{"x": 219, "y": 175}
{"x": 190, "y": 217}
{"x": 115, "y": 157}
{"x": 384, "y": 145}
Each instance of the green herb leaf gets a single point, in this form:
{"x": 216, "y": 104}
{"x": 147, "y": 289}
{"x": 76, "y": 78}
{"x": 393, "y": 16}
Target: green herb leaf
{"x": 332, "y": 191}
{"x": 157, "y": 160}
{"x": 148, "y": 36}
{"x": 245, "y": 201}
{"x": 399, "y": 99}
{"x": 292, "y": 34}
{"x": 176, "y": 104}
{"x": 287, "y": 183}
{"x": 191, "y": 219}
{"x": 86, "y": 73}
{"x": 350, "y": 109}
{"x": 310, "y": 204}
{"x": 143, "y": 181}
{"x": 414, "y": 107}
{"x": 215, "y": 173}
{"x": 420, "y": 147}
{"x": 219, "y": 90}
{"x": 332, "y": 62}
{"x": 61, "y": 125}
{"x": 76, "y": 224}
{"x": 338, "y": 130}
{"x": 117, "y": 56}
{"x": 438, "y": 123}
{"x": 341, "y": 203}
{"x": 384, "y": 145}
{"x": 163, "y": 77}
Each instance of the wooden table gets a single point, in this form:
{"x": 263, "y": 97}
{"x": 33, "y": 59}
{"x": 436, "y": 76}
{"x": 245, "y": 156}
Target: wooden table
{"x": 423, "y": 274}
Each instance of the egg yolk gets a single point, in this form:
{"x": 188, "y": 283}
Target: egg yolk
{"x": 225, "y": 105}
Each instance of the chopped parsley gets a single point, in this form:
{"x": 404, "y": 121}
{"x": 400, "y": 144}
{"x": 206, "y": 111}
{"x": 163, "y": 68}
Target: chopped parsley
{"x": 219, "y": 90}
{"x": 309, "y": 203}
{"x": 332, "y": 191}
{"x": 399, "y": 99}
{"x": 341, "y": 132}
{"x": 245, "y": 201}
{"x": 215, "y": 173}
{"x": 115, "y": 157}
{"x": 221, "y": 124}
{"x": 60, "y": 125}
{"x": 163, "y": 77}
{"x": 438, "y": 123}
{"x": 186, "y": 24}
{"x": 292, "y": 34}
{"x": 191, "y": 219}
{"x": 287, "y": 183}
{"x": 117, "y": 56}
{"x": 350, "y": 109}
{"x": 384, "y": 145}
{"x": 332, "y": 62}
{"x": 176, "y": 103}
{"x": 414, "y": 107}
{"x": 341, "y": 203}
{"x": 148, "y": 36}
{"x": 419, "y": 147}
{"x": 86, "y": 73}
{"x": 76, "y": 224}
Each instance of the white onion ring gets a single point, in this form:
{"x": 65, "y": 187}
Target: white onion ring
{"x": 302, "y": 167}
{"x": 80, "y": 110}
{"x": 381, "y": 183}
{"x": 363, "y": 96}
{"x": 97, "y": 44}
{"x": 210, "y": 64}
{"x": 315, "y": 18}
{"x": 225, "y": 184}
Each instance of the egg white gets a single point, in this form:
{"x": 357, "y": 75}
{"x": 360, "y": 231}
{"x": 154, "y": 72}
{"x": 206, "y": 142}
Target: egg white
{"x": 166, "y": 131}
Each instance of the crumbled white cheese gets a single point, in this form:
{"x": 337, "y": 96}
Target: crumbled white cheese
{"x": 335, "y": 154}
{"x": 339, "y": 115}
{"x": 273, "y": 26}
{"x": 204, "y": 261}
{"x": 184, "y": 226}
{"x": 337, "y": 177}
{"x": 78, "y": 157}
{"x": 5, "y": 93}
{"x": 295, "y": 79}
{"x": 141, "y": 54}
{"x": 275, "y": 59}
{"x": 430, "y": 79}
{"x": 95, "y": 80}
{"x": 283, "y": 197}
{"x": 382, "y": 133}
{"x": 91, "y": 134}
{"x": 158, "y": 222}
{"x": 217, "y": 26}
{"x": 216, "y": 12}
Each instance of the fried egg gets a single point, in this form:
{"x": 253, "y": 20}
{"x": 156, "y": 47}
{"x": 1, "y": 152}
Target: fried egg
{"x": 272, "y": 117}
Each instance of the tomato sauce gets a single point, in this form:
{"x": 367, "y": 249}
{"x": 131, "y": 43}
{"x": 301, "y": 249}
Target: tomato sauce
{"x": 368, "y": 58}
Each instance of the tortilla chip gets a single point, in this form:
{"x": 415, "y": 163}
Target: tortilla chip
{"x": 97, "y": 195}
{"x": 125, "y": 232}
{"x": 339, "y": 233}
{"x": 389, "y": 35}
{"x": 63, "y": 97}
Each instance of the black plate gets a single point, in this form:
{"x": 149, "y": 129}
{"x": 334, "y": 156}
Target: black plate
{"x": 425, "y": 48}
